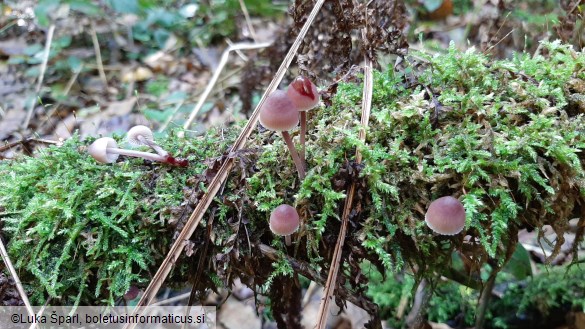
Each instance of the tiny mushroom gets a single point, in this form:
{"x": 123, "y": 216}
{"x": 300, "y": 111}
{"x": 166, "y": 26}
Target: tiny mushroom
{"x": 446, "y": 216}
{"x": 105, "y": 150}
{"x": 304, "y": 95}
{"x": 284, "y": 221}
{"x": 278, "y": 113}
{"x": 142, "y": 135}
{"x": 132, "y": 293}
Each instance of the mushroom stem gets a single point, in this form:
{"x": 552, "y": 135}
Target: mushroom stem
{"x": 294, "y": 154}
{"x": 138, "y": 154}
{"x": 153, "y": 146}
{"x": 287, "y": 240}
{"x": 303, "y": 136}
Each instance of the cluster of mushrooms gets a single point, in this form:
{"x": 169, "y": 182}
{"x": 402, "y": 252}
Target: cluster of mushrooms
{"x": 280, "y": 112}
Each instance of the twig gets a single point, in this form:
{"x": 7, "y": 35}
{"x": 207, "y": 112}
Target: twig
{"x": 334, "y": 268}
{"x": 248, "y": 21}
{"x": 195, "y": 218}
{"x": 41, "y": 311}
{"x": 222, "y": 63}
{"x": 498, "y": 32}
{"x": 98, "y": 55}
{"x": 497, "y": 43}
{"x": 9, "y": 25}
{"x": 19, "y": 286}
{"x": 238, "y": 52}
{"x": 41, "y": 75}
{"x": 172, "y": 299}
{"x": 575, "y": 7}
{"x": 26, "y": 140}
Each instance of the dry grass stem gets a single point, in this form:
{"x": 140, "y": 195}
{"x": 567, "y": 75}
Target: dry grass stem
{"x": 33, "y": 101}
{"x": 170, "y": 118}
{"x": 98, "y": 55}
{"x": 248, "y": 21}
{"x": 213, "y": 80}
{"x": 171, "y": 300}
{"x": 335, "y": 263}
{"x": 19, "y": 286}
{"x": 65, "y": 93}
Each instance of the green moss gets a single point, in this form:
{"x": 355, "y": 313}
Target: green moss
{"x": 503, "y": 136}
{"x": 83, "y": 232}
{"x": 522, "y": 303}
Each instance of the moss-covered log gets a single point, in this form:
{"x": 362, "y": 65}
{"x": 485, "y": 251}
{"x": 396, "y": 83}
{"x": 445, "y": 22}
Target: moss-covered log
{"x": 505, "y": 137}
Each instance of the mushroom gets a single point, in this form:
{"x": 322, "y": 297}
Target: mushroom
{"x": 142, "y": 135}
{"x": 304, "y": 95}
{"x": 278, "y": 113}
{"x": 284, "y": 221}
{"x": 446, "y": 216}
{"x": 105, "y": 150}
{"x": 132, "y": 293}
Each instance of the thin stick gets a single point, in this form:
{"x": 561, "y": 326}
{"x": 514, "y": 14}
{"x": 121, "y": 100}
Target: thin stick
{"x": 492, "y": 47}
{"x": 29, "y": 139}
{"x": 172, "y": 299}
{"x": 41, "y": 75}
{"x": 221, "y": 176}
{"x": 222, "y": 63}
{"x": 238, "y": 52}
{"x": 303, "y": 136}
{"x": 170, "y": 118}
{"x": 98, "y": 55}
{"x": 248, "y": 21}
{"x": 335, "y": 262}
{"x": 19, "y": 286}
{"x": 294, "y": 154}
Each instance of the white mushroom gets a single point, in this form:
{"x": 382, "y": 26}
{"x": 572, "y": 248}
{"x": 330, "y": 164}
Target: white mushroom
{"x": 142, "y": 135}
{"x": 105, "y": 150}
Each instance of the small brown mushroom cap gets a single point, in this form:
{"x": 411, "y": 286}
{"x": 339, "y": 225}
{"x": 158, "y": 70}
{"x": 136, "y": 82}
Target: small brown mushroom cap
{"x": 278, "y": 113}
{"x": 303, "y": 93}
{"x": 136, "y": 131}
{"x": 446, "y": 216}
{"x": 99, "y": 150}
{"x": 284, "y": 220}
